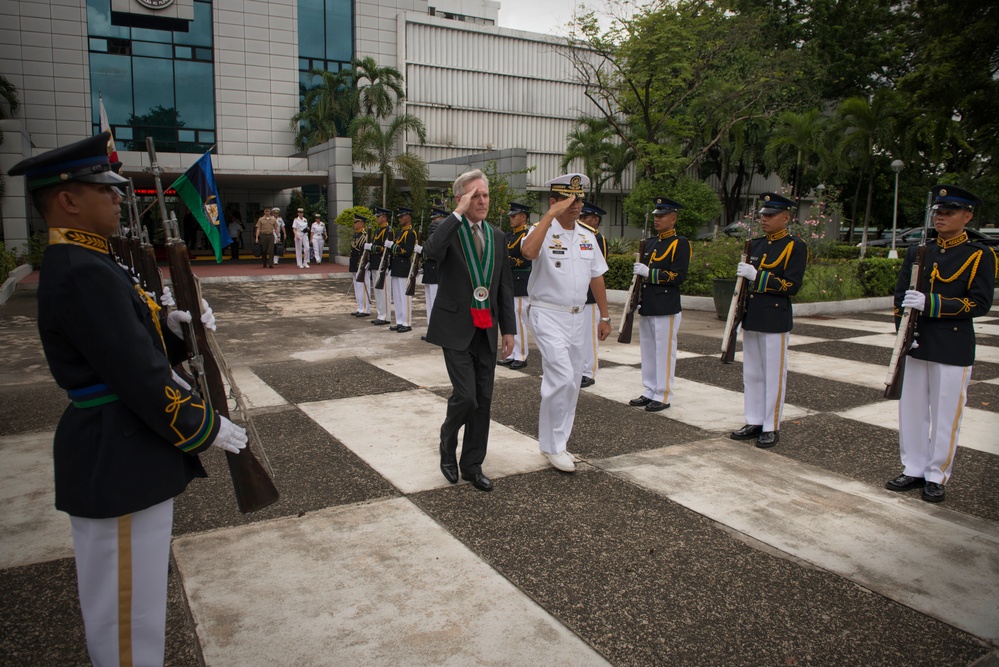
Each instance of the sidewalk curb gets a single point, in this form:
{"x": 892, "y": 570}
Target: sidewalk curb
{"x": 9, "y": 285}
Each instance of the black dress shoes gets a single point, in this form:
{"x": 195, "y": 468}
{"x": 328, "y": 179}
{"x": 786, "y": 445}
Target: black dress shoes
{"x": 747, "y": 432}
{"x": 394, "y": 327}
{"x": 905, "y": 483}
{"x": 404, "y": 329}
{"x": 504, "y": 362}
{"x": 639, "y": 402}
{"x": 449, "y": 465}
{"x": 379, "y": 322}
{"x": 656, "y": 406}
{"x": 479, "y": 481}
{"x": 933, "y": 492}
{"x": 587, "y": 382}
{"x": 768, "y": 439}
{"x": 517, "y": 365}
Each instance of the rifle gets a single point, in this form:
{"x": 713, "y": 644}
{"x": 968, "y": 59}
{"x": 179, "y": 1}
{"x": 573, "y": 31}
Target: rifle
{"x": 634, "y": 293}
{"x": 907, "y": 326}
{"x": 414, "y": 267}
{"x": 362, "y": 266}
{"x": 736, "y": 310}
{"x": 149, "y": 272}
{"x": 383, "y": 264}
{"x": 253, "y": 486}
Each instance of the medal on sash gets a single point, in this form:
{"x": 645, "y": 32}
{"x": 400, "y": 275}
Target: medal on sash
{"x": 480, "y": 271}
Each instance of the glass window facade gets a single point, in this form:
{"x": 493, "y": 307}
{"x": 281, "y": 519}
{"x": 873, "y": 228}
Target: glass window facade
{"x": 158, "y": 83}
{"x": 325, "y": 37}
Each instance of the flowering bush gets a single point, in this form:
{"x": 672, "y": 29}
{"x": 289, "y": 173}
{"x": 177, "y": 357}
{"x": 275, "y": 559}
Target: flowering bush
{"x": 716, "y": 259}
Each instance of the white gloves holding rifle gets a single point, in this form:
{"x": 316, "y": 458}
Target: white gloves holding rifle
{"x": 913, "y": 299}
{"x": 178, "y": 318}
{"x": 747, "y": 271}
{"x": 417, "y": 249}
{"x": 388, "y": 244}
{"x": 231, "y": 437}
{"x": 167, "y": 299}
{"x": 641, "y": 270}
{"x": 367, "y": 246}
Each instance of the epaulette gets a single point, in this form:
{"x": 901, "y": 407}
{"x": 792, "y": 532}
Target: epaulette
{"x": 583, "y": 224}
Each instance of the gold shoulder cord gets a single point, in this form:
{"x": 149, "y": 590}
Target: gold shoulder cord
{"x": 973, "y": 261}
{"x": 785, "y": 257}
{"x": 671, "y": 250}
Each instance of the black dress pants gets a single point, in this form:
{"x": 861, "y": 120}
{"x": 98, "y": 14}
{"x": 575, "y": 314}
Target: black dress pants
{"x": 472, "y": 372}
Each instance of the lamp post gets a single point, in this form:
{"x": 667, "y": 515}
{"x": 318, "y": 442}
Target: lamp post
{"x": 896, "y": 166}
{"x": 820, "y": 189}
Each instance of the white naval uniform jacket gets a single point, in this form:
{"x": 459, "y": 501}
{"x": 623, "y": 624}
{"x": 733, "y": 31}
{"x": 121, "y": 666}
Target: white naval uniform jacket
{"x": 569, "y": 259}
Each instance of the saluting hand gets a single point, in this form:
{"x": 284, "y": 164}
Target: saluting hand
{"x": 560, "y": 207}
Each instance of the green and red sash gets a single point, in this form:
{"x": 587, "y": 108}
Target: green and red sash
{"x": 480, "y": 270}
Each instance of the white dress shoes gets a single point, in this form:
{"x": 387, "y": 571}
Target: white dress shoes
{"x": 562, "y": 461}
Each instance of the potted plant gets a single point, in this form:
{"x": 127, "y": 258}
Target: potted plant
{"x": 719, "y": 259}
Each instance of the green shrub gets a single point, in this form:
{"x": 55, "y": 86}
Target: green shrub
{"x": 877, "y": 276}
{"x": 37, "y": 244}
{"x": 620, "y": 269}
{"x": 8, "y": 260}
{"x": 346, "y": 222}
{"x": 829, "y": 280}
{"x": 842, "y": 251}
{"x": 621, "y": 246}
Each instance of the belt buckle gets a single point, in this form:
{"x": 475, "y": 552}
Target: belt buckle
{"x": 575, "y": 309}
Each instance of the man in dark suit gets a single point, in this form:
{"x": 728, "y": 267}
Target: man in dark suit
{"x": 475, "y": 293}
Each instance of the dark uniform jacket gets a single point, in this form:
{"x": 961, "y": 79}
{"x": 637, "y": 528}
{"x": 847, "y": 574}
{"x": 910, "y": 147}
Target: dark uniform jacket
{"x": 430, "y": 264}
{"x": 378, "y": 245}
{"x": 521, "y": 267}
{"x": 402, "y": 253}
{"x": 451, "y": 321}
{"x": 958, "y": 280}
{"x": 780, "y": 260}
{"x": 357, "y": 250}
{"x": 602, "y": 244}
{"x": 131, "y": 437}
{"x": 668, "y": 260}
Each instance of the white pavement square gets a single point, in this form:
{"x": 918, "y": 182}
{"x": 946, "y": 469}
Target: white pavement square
{"x": 979, "y": 428}
{"x": 939, "y": 562}
{"x": 372, "y": 584}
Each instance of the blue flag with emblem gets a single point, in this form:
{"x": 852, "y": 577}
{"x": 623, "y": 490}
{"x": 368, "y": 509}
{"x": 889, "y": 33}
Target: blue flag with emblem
{"x": 197, "y": 188}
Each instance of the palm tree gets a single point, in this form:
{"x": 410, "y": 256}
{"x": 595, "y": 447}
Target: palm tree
{"x": 9, "y": 107}
{"x": 800, "y": 133}
{"x": 868, "y": 127}
{"x": 374, "y": 146}
{"x": 603, "y": 159}
{"x": 375, "y": 96}
{"x": 327, "y": 109}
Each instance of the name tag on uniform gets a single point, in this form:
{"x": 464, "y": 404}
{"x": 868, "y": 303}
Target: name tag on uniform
{"x": 556, "y": 249}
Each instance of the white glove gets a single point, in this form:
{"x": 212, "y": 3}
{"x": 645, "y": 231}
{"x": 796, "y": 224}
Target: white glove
{"x": 913, "y": 299}
{"x": 231, "y": 438}
{"x": 747, "y": 271}
{"x": 175, "y": 321}
{"x": 207, "y": 316}
{"x": 177, "y": 318}
{"x": 367, "y": 246}
{"x": 641, "y": 270}
{"x": 417, "y": 249}
{"x": 179, "y": 380}
{"x": 388, "y": 244}
{"x": 167, "y": 298}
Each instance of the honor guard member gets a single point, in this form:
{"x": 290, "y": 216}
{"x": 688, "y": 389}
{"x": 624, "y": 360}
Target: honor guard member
{"x": 775, "y": 269}
{"x": 566, "y": 263}
{"x": 430, "y": 265}
{"x": 957, "y": 285}
{"x": 129, "y": 440}
{"x": 402, "y": 259}
{"x": 377, "y": 247}
{"x": 590, "y": 218}
{"x": 318, "y": 231}
{"x": 664, "y": 270}
{"x": 519, "y": 218}
{"x": 362, "y": 288}
{"x": 299, "y": 228}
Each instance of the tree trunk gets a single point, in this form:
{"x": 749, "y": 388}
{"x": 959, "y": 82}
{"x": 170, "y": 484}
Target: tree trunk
{"x": 867, "y": 213}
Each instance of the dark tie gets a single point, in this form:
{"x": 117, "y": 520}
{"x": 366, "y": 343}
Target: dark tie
{"x": 477, "y": 234}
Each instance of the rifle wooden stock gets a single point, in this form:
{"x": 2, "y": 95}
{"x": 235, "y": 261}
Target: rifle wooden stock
{"x": 382, "y": 267}
{"x": 253, "y": 486}
{"x": 362, "y": 266}
{"x": 736, "y": 309}
{"x": 631, "y": 305}
{"x": 905, "y": 334}
{"x": 414, "y": 270}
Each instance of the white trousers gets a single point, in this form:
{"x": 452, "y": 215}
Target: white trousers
{"x": 591, "y": 349}
{"x": 403, "y": 304}
{"x": 560, "y": 339}
{"x": 520, "y": 351}
{"x": 362, "y": 292}
{"x": 121, "y": 568}
{"x": 430, "y": 295}
{"x": 657, "y": 339}
{"x": 382, "y": 298}
{"x": 929, "y": 417}
{"x": 301, "y": 251}
{"x": 317, "y": 248}
{"x": 764, "y": 377}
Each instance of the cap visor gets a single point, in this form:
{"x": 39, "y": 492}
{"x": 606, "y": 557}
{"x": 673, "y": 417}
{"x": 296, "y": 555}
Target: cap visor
{"x": 102, "y": 178}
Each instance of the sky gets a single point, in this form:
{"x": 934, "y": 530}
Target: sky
{"x": 545, "y": 16}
